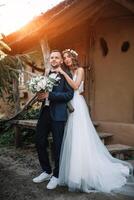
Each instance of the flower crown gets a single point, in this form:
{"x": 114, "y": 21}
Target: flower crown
{"x": 74, "y": 53}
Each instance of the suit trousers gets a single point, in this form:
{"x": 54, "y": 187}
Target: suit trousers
{"x": 46, "y": 125}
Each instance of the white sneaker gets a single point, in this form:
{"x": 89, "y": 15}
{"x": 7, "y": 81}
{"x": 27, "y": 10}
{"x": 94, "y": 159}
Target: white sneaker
{"x": 52, "y": 183}
{"x": 42, "y": 177}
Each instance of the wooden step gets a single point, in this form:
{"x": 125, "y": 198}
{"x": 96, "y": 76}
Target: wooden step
{"x": 105, "y": 137}
{"x": 119, "y": 150}
{"x": 113, "y": 148}
{"x": 96, "y": 124}
{"x": 32, "y": 123}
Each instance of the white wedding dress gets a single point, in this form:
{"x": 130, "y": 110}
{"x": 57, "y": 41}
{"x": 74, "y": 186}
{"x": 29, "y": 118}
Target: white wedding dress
{"x": 85, "y": 163}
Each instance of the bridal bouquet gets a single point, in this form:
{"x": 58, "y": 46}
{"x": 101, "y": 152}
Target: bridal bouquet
{"x": 43, "y": 84}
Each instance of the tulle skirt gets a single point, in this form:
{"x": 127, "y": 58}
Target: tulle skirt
{"x": 85, "y": 163}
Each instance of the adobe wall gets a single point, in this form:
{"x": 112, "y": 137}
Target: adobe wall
{"x": 114, "y": 73}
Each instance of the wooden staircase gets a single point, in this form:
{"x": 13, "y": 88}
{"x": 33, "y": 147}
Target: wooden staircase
{"x": 120, "y": 151}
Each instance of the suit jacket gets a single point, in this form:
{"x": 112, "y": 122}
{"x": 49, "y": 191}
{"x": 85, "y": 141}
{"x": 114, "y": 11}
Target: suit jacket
{"x": 60, "y": 95}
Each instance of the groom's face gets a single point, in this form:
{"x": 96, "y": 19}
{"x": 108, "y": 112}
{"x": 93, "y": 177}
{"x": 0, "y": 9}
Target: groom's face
{"x": 55, "y": 59}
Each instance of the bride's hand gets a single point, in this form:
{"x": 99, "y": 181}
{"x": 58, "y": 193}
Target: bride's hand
{"x": 59, "y": 70}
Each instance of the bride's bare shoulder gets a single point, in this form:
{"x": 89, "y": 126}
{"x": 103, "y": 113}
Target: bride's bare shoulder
{"x": 80, "y": 70}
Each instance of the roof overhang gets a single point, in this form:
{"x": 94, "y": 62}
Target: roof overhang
{"x": 58, "y": 20}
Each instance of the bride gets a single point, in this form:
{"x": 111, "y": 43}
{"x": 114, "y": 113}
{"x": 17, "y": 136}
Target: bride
{"x": 85, "y": 163}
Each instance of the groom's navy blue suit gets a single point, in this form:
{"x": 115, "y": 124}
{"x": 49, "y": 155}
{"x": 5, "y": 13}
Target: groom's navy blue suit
{"x": 52, "y": 119}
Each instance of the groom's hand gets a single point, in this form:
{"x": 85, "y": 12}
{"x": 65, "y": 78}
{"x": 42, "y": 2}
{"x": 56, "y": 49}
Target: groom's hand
{"x": 42, "y": 95}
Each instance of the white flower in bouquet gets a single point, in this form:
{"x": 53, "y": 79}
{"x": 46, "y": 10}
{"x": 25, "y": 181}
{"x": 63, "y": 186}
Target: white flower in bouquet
{"x": 43, "y": 83}
{"x": 37, "y": 84}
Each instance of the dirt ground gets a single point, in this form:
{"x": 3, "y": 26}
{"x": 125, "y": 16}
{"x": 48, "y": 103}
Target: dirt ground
{"x": 19, "y": 166}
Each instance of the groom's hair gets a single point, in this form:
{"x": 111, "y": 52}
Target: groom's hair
{"x": 55, "y": 50}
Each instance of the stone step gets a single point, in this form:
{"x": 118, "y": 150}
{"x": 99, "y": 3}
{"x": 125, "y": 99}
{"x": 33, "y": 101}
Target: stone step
{"x": 119, "y": 150}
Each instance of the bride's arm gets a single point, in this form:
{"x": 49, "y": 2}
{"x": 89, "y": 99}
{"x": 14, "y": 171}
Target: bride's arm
{"x": 74, "y": 84}
{"x": 47, "y": 71}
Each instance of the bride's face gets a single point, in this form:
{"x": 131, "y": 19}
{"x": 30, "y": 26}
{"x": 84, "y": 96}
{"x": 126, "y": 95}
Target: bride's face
{"x": 67, "y": 58}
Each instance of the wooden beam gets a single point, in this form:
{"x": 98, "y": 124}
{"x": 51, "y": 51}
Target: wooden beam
{"x": 80, "y": 12}
{"x": 45, "y": 51}
{"x": 18, "y": 136}
{"x": 127, "y": 4}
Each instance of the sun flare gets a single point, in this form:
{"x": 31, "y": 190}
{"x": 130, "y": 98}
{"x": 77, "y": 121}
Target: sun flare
{"x": 15, "y": 14}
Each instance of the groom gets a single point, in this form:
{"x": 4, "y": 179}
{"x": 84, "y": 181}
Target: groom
{"x": 52, "y": 119}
